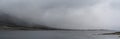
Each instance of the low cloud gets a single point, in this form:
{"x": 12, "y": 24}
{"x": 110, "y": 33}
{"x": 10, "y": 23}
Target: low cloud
{"x": 66, "y": 14}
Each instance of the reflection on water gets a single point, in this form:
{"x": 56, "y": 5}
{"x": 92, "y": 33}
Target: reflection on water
{"x": 55, "y": 35}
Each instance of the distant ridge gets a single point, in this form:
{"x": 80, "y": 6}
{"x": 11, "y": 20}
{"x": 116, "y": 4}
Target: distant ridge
{"x": 41, "y": 27}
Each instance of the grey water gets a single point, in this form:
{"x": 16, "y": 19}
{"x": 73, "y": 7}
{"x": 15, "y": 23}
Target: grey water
{"x": 56, "y": 35}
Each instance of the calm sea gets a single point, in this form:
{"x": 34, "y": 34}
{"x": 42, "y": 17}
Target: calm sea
{"x": 56, "y": 35}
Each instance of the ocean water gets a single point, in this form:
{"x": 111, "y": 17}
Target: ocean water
{"x": 56, "y": 35}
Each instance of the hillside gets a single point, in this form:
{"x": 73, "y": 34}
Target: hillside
{"x": 16, "y": 27}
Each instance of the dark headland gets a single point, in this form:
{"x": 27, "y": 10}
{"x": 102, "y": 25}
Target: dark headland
{"x": 17, "y": 27}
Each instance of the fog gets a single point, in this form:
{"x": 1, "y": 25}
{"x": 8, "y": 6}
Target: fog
{"x": 65, "y": 14}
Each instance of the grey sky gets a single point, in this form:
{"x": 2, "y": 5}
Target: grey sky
{"x": 68, "y": 14}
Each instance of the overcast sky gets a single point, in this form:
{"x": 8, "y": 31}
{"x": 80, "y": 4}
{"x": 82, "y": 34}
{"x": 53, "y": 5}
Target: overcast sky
{"x": 67, "y": 14}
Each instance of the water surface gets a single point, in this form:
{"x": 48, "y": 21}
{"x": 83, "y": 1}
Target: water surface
{"x": 56, "y": 35}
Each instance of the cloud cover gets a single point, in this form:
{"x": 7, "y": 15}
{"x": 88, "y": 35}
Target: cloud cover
{"x": 65, "y": 14}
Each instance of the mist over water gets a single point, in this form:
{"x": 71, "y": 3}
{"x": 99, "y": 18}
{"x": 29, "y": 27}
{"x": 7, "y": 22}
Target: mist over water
{"x": 66, "y": 14}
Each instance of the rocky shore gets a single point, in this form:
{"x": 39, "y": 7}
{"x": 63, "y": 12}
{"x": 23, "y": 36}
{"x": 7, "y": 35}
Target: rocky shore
{"x": 114, "y": 33}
